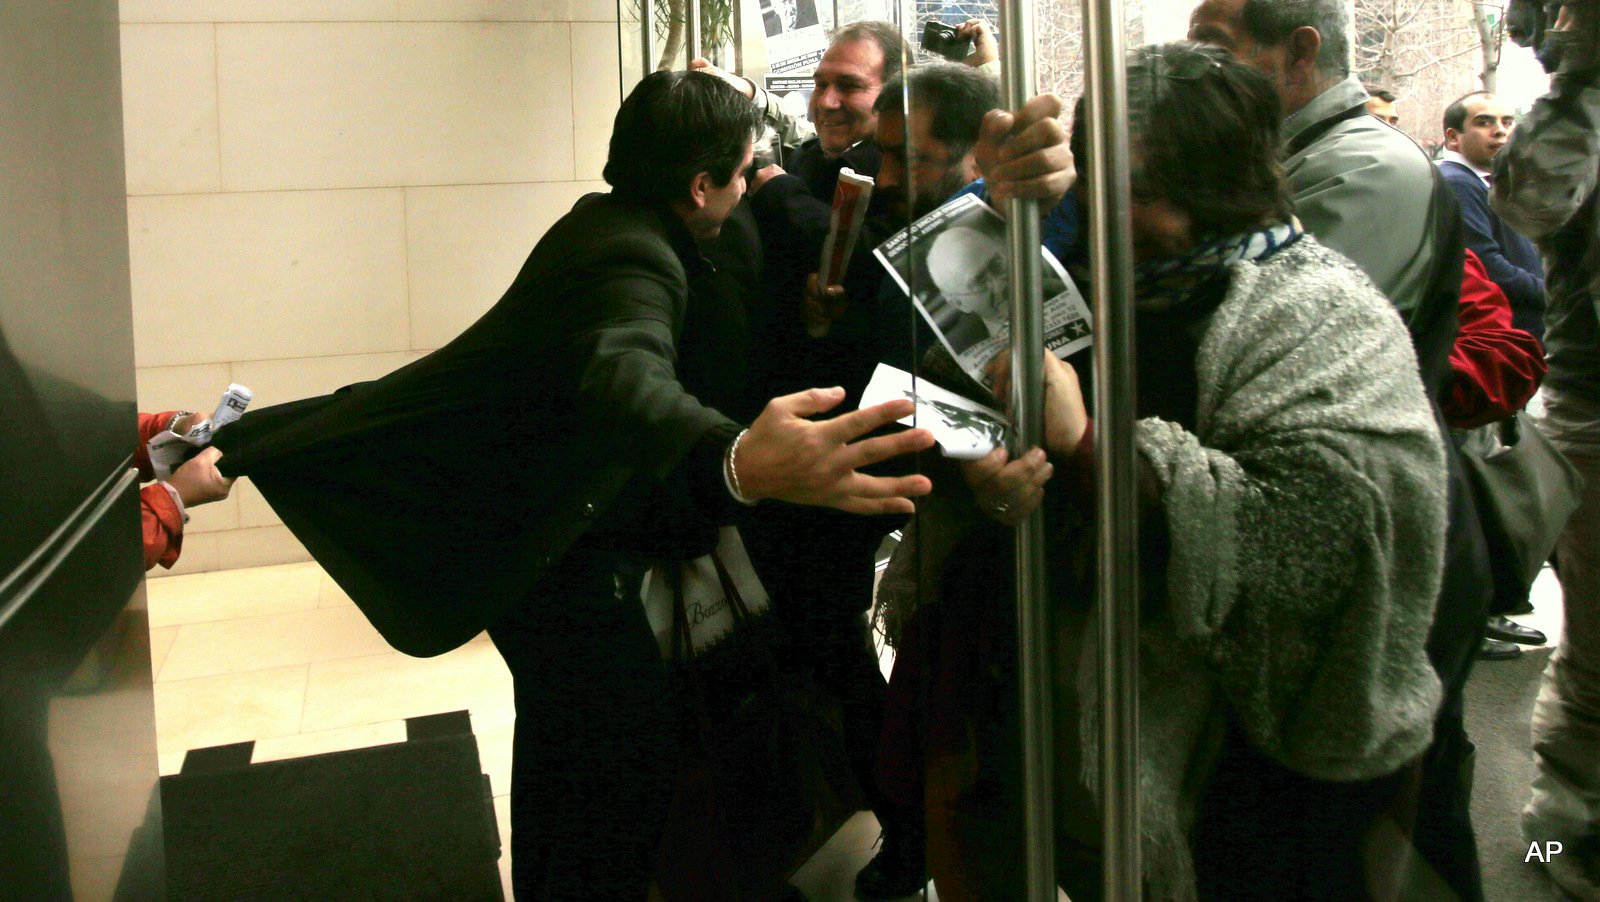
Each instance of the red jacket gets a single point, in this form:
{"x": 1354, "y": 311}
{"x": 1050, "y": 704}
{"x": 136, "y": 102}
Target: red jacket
{"x": 1497, "y": 368}
{"x": 163, "y": 522}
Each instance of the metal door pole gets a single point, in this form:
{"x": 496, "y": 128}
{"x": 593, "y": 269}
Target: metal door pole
{"x": 647, "y": 31}
{"x": 1027, "y": 408}
{"x": 1117, "y": 587}
{"x": 691, "y": 31}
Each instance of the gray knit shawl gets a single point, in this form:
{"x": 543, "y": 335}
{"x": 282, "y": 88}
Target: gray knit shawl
{"x": 1307, "y": 517}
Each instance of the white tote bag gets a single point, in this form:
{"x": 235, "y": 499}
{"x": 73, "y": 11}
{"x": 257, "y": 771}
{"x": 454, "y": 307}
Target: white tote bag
{"x": 704, "y": 600}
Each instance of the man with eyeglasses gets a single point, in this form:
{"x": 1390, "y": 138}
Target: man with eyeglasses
{"x": 1363, "y": 189}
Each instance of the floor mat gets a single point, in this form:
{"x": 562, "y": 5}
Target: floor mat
{"x": 411, "y": 820}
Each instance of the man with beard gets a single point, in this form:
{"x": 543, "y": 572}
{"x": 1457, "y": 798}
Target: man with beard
{"x": 818, "y": 566}
{"x": 927, "y": 158}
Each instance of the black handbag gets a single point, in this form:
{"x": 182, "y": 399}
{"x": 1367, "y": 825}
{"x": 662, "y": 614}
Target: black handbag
{"x": 1525, "y": 489}
{"x": 763, "y": 779}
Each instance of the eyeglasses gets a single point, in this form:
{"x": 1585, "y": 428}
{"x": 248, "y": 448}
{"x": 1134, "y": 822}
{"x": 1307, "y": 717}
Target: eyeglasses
{"x": 1178, "y": 64}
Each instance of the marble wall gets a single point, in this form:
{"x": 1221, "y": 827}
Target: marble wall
{"x": 320, "y": 191}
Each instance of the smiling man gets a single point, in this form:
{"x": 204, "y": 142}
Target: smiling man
{"x": 1476, "y": 126}
{"x": 846, "y": 83}
{"x": 861, "y": 58}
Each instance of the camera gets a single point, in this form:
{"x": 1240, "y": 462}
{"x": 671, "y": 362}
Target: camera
{"x": 939, "y": 38}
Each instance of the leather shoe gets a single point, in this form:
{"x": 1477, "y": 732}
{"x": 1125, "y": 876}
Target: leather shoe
{"x": 1498, "y": 650}
{"x": 1510, "y": 631}
{"x": 899, "y": 869}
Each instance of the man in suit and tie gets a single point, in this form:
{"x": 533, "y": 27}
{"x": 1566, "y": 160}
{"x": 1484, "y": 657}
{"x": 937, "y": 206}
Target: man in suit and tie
{"x": 1475, "y": 128}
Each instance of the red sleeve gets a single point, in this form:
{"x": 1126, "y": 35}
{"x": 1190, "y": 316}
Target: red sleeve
{"x": 150, "y": 426}
{"x": 1497, "y": 368}
{"x": 163, "y": 525}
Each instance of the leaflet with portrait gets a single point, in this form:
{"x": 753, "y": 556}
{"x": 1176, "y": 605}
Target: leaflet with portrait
{"x": 956, "y": 259}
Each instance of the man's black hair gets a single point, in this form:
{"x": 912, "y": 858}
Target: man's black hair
{"x": 883, "y": 34}
{"x": 1382, "y": 94}
{"x": 1455, "y": 115}
{"x": 674, "y": 126}
{"x": 1204, "y": 132}
{"x": 957, "y": 96}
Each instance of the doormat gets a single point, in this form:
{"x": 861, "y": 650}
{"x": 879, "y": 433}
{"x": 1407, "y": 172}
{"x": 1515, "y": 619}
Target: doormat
{"x": 410, "y": 820}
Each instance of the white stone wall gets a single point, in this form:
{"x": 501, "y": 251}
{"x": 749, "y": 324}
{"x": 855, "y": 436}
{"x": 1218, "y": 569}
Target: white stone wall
{"x": 320, "y": 191}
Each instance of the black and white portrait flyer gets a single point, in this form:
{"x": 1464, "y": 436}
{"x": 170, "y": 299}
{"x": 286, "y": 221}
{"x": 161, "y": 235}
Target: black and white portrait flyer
{"x": 793, "y": 91}
{"x": 965, "y": 430}
{"x": 952, "y": 263}
{"x": 795, "y": 36}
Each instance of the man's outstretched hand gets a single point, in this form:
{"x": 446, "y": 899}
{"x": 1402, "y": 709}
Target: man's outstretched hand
{"x": 787, "y": 457}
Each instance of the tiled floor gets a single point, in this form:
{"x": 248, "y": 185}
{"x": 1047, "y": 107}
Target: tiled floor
{"x": 279, "y": 655}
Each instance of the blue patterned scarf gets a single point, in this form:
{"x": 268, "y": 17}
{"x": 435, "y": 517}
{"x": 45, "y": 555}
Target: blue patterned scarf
{"x": 1169, "y": 281}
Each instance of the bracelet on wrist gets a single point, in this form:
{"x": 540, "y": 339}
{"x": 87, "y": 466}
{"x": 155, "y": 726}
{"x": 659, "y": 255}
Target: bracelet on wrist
{"x": 732, "y": 472}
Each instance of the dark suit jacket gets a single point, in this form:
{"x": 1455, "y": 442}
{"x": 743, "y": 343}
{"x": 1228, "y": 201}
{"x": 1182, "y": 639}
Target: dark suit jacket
{"x": 440, "y": 494}
{"x": 1511, "y": 260}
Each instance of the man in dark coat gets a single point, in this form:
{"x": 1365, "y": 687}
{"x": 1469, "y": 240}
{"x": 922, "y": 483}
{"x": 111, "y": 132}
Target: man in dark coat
{"x": 518, "y": 480}
{"x": 1475, "y": 128}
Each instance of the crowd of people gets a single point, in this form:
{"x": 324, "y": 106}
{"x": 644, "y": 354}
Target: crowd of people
{"x": 1322, "y": 314}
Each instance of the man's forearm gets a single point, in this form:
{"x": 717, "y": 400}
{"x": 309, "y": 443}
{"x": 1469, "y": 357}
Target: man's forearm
{"x": 792, "y": 130}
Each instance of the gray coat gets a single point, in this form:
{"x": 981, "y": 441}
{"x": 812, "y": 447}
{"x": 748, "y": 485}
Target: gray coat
{"x": 1545, "y": 187}
{"x": 1306, "y": 518}
{"x": 1365, "y": 190}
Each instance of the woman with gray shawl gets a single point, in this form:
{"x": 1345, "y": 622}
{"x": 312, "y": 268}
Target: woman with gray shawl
{"x": 1293, "y": 487}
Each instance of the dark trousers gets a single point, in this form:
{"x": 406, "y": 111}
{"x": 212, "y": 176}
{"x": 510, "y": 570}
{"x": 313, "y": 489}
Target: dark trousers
{"x": 1443, "y": 833}
{"x": 1266, "y": 833}
{"x": 596, "y": 744}
{"x": 817, "y": 565}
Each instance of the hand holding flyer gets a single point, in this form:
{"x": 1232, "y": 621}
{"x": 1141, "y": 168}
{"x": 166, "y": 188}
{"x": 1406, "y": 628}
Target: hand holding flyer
{"x": 952, "y": 264}
{"x": 844, "y": 228}
{"x": 168, "y": 450}
{"x": 964, "y": 430}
